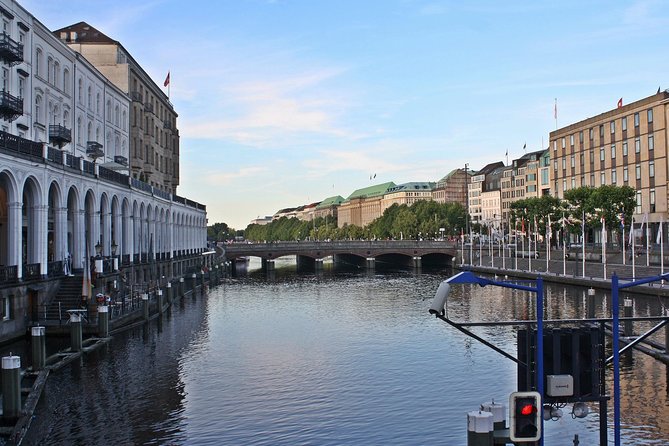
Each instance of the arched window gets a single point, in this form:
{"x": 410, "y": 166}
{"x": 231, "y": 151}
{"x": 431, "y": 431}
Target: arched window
{"x": 38, "y": 61}
{"x": 124, "y": 120}
{"x": 79, "y": 130}
{"x": 89, "y": 131}
{"x": 117, "y": 115}
{"x": 49, "y": 70}
{"x": 56, "y": 73}
{"x": 90, "y": 97}
{"x": 80, "y": 90}
{"x": 97, "y": 134}
{"x": 66, "y": 118}
{"x": 66, "y": 81}
{"x": 98, "y": 103}
{"x": 108, "y": 111}
{"x": 38, "y": 108}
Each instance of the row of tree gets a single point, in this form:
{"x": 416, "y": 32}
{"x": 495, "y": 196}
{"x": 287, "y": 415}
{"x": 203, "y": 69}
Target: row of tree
{"x": 429, "y": 219}
{"x": 614, "y": 205}
{"x": 424, "y": 219}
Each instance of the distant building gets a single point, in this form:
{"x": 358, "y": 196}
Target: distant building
{"x": 328, "y": 208}
{"x": 306, "y": 212}
{"x": 407, "y": 193}
{"x": 261, "y": 220}
{"x": 453, "y": 187}
{"x": 475, "y": 189}
{"x": 285, "y": 212}
{"x": 363, "y": 206}
{"x": 154, "y": 138}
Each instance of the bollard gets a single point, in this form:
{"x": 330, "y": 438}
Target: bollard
{"x": 181, "y": 287}
{"x": 590, "y": 304}
{"x": 75, "y": 331}
{"x": 480, "y": 430}
{"x": 38, "y": 347}
{"x": 160, "y": 301}
{"x": 145, "y": 306}
{"x": 627, "y": 308}
{"x": 170, "y": 295}
{"x": 11, "y": 386}
{"x": 194, "y": 282}
{"x": 498, "y": 412}
{"x": 103, "y": 321}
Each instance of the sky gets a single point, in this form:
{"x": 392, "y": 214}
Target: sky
{"x": 283, "y": 103}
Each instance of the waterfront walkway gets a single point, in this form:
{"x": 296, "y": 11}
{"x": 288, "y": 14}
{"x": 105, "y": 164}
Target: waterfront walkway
{"x": 567, "y": 271}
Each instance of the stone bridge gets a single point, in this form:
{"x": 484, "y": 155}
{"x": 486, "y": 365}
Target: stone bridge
{"x": 356, "y": 252}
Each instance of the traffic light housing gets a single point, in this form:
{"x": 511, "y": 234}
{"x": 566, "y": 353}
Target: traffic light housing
{"x": 525, "y": 417}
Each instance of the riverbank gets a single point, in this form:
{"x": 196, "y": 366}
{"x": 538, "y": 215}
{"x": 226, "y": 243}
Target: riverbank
{"x": 569, "y": 272}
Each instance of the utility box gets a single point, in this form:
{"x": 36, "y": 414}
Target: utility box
{"x": 578, "y": 352}
{"x": 560, "y": 385}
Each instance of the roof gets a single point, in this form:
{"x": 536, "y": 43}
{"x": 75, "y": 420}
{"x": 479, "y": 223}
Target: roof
{"x": 85, "y": 34}
{"x": 414, "y": 186}
{"x": 330, "y": 201}
{"x": 371, "y": 191}
{"x": 490, "y": 167}
{"x": 450, "y": 174}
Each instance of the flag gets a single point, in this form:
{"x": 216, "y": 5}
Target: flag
{"x": 620, "y": 103}
{"x": 374, "y": 175}
{"x": 507, "y": 152}
{"x": 603, "y": 229}
{"x": 629, "y": 241}
{"x": 524, "y": 146}
{"x": 658, "y": 90}
{"x": 659, "y": 233}
{"x": 167, "y": 80}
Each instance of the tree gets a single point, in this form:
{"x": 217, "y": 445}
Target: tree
{"x": 220, "y": 232}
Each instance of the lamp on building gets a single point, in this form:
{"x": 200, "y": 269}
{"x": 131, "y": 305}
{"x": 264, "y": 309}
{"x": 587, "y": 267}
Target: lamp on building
{"x": 98, "y": 249}
{"x": 114, "y": 247}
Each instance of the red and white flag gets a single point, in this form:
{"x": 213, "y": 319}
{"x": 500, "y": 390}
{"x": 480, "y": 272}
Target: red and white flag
{"x": 167, "y": 80}
{"x": 620, "y": 103}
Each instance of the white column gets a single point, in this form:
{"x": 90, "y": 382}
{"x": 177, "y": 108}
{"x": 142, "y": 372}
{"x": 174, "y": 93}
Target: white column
{"x": 60, "y": 234}
{"x": 41, "y": 236}
{"x": 14, "y": 234}
{"x": 79, "y": 239}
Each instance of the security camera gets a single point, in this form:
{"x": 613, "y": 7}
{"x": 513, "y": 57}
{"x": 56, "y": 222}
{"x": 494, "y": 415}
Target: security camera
{"x": 439, "y": 301}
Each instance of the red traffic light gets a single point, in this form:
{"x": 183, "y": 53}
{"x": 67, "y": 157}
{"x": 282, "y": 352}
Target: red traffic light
{"x": 525, "y": 418}
{"x": 528, "y": 409}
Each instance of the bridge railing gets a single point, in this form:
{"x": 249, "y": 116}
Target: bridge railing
{"x": 339, "y": 244}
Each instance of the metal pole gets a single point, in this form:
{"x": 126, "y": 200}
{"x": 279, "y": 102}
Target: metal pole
{"x": 38, "y": 347}
{"x": 540, "y": 346}
{"x": 616, "y": 358}
{"x": 590, "y": 304}
{"x": 145, "y": 306}
{"x": 624, "y": 259}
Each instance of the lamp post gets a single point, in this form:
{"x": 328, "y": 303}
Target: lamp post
{"x": 114, "y": 247}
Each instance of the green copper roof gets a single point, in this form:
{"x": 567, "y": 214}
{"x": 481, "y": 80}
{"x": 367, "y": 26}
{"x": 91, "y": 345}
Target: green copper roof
{"x": 413, "y": 187}
{"x": 330, "y": 201}
{"x": 371, "y": 191}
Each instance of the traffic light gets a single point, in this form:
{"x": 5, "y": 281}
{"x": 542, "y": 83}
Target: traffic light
{"x": 525, "y": 417}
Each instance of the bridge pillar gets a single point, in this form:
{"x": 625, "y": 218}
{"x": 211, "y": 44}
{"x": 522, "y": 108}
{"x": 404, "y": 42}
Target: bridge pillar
{"x": 371, "y": 263}
{"x": 417, "y": 262}
{"x": 268, "y": 264}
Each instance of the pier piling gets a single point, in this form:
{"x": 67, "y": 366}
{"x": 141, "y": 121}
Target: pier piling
{"x": 76, "y": 339}
{"x": 103, "y": 321}
{"x": 11, "y": 387}
{"x": 38, "y": 347}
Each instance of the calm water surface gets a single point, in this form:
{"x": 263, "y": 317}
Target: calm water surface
{"x": 326, "y": 359}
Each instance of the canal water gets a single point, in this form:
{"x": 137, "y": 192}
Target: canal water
{"x": 328, "y": 358}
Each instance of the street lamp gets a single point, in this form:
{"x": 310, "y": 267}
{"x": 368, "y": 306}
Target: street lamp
{"x": 98, "y": 249}
{"x": 114, "y": 247}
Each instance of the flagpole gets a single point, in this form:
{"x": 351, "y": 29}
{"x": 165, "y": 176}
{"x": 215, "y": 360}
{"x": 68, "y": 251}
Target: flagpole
{"x": 604, "y": 245}
{"x": 583, "y": 242}
{"x": 632, "y": 236}
{"x": 555, "y": 113}
{"x": 564, "y": 249}
{"x": 661, "y": 247}
{"x": 647, "y": 231}
{"x": 623, "y": 225}
{"x": 548, "y": 241}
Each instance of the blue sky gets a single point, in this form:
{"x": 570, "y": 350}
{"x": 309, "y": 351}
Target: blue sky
{"x": 286, "y": 102}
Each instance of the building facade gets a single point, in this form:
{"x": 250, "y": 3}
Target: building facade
{"x": 407, "y": 194}
{"x": 452, "y": 188}
{"x": 154, "y": 137}
{"x": 624, "y": 146}
{"x": 363, "y": 206}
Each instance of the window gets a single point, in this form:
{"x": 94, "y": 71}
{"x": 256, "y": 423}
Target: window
{"x": 38, "y": 61}
{"x": 580, "y": 136}
{"x": 573, "y": 183}
{"x": 79, "y": 132}
{"x": 582, "y": 159}
{"x": 592, "y": 180}
{"x": 650, "y": 115}
{"x": 6, "y": 308}
{"x": 613, "y": 151}
{"x": 651, "y": 142}
{"x": 571, "y": 140}
{"x": 5, "y": 79}
{"x": 592, "y": 156}
{"x": 22, "y": 87}
{"x": 554, "y": 146}
{"x": 651, "y": 200}
{"x": 80, "y": 90}
{"x": 602, "y": 154}
{"x": 601, "y": 131}
{"x": 614, "y": 177}
{"x": 98, "y": 103}
{"x": 624, "y": 148}
{"x": 637, "y": 169}
{"x": 66, "y": 81}
{"x": 638, "y": 203}
{"x": 56, "y": 73}
{"x": 613, "y": 127}
{"x": 564, "y": 142}
{"x": 624, "y": 123}
{"x": 636, "y": 119}
{"x": 651, "y": 169}
{"x": 49, "y": 69}
{"x": 89, "y": 98}
{"x": 625, "y": 174}
{"x": 564, "y": 163}
{"x": 564, "y": 185}
{"x": 637, "y": 145}
{"x": 38, "y": 108}
{"x": 573, "y": 161}
{"x": 602, "y": 179}
{"x": 592, "y": 134}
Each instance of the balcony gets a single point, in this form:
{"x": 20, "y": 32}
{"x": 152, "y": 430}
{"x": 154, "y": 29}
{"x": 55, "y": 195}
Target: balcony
{"x": 10, "y": 107}
{"x": 94, "y": 150}
{"x": 122, "y": 160}
{"x": 59, "y": 135}
{"x": 11, "y": 52}
{"x": 148, "y": 107}
{"x": 148, "y": 168}
{"x": 136, "y": 96}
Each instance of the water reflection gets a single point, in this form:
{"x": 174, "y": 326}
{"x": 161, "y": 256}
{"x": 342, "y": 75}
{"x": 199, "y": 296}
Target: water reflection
{"x": 328, "y": 358}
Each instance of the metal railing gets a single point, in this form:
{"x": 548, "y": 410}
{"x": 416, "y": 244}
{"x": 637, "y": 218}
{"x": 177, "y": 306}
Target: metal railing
{"x": 21, "y": 145}
{"x": 88, "y": 167}
{"x": 9, "y": 274}
{"x": 113, "y": 176}
{"x": 55, "y": 269}
{"x": 31, "y": 271}
{"x": 54, "y": 155}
